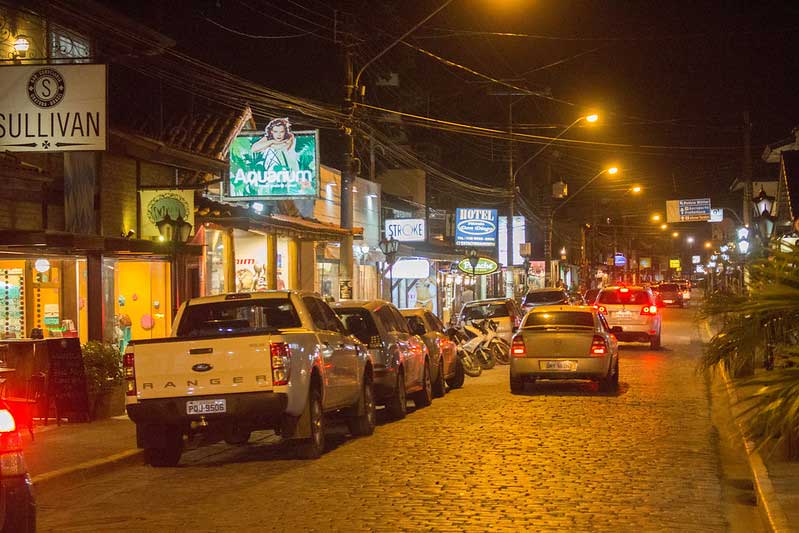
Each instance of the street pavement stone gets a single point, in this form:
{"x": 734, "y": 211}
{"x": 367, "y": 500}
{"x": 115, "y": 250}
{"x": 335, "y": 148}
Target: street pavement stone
{"x": 560, "y": 457}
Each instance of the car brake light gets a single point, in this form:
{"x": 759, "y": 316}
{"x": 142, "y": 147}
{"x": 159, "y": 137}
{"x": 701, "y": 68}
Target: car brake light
{"x": 281, "y": 359}
{"x": 602, "y": 309}
{"x": 624, "y": 289}
{"x": 129, "y": 373}
{"x": 650, "y": 310}
{"x": 7, "y": 423}
{"x": 598, "y": 346}
{"x": 517, "y": 349}
{"x": 12, "y": 463}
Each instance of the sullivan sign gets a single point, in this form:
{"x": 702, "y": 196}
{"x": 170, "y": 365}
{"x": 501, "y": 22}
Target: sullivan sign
{"x": 53, "y": 108}
{"x": 475, "y": 227}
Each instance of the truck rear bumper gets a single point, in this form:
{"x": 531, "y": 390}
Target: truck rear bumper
{"x": 252, "y": 409}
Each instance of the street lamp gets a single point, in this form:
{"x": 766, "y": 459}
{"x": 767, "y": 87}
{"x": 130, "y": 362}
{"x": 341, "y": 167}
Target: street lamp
{"x": 664, "y": 227}
{"x": 656, "y": 217}
{"x": 593, "y": 117}
{"x": 389, "y": 248}
{"x": 689, "y": 240}
{"x": 177, "y": 230}
{"x": 637, "y": 189}
{"x": 551, "y": 221}
{"x": 21, "y": 46}
{"x": 764, "y": 204}
{"x": 674, "y": 234}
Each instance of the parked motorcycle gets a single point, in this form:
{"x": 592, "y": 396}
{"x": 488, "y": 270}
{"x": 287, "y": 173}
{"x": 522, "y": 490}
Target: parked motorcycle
{"x": 469, "y": 360}
{"x": 480, "y": 334}
{"x": 494, "y": 343}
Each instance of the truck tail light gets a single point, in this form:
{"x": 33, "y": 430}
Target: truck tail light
{"x": 598, "y": 346}
{"x": 601, "y": 308}
{"x": 281, "y": 363}
{"x": 12, "y": 462}
{"x": 518, "y": 349}
{"x": 129, "y": 373}
{"x": 649, "y": 310}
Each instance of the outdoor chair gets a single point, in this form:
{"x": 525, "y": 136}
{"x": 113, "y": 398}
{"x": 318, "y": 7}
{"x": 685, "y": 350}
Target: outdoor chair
{"x": 23, "y": 408}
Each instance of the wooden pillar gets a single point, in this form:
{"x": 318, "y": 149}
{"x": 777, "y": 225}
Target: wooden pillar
{"x": 271, "y": 261}
{"x": 229, "y": 261}
{"x": 94, "y": 293}
{"x": 307, "y": 265}
{"x": 292, "y": 265}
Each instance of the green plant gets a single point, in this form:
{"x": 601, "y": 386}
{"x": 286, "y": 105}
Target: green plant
{"x": 103, "y": 365}
{"x": 762, "y": 327}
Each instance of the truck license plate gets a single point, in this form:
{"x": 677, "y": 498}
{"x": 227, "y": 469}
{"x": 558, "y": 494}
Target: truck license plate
{"x": 559, "y": 365}
{"x": 204, "y": 407}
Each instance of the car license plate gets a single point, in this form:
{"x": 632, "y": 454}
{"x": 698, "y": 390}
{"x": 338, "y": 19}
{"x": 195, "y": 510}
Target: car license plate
{"x": 558, "y": 365}
{"x": 623, "y": 314}
{"x": 204, "y": 407}
{"x": 669, "y": 301}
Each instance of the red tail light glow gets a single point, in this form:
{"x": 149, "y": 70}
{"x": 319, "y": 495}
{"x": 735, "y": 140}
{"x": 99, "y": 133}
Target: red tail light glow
{"x": 281, "y": 363}
{"x": 7, "y": 423}
{"x": 598, "y": 346}
{"x": 517, "y": 349}
{"x": 649, "y": 310}
{"x": 624, "y": 289}
{"x": 601, "y": 308}
{"x": 129, "y": 373}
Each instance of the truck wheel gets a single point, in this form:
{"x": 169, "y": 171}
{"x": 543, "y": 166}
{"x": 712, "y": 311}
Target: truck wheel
{"x": 424, "y": 397}
{"x": 440, "y": 387}
{"x": 168, "y": 454}
{"x": 313, "y": 447}
{"x": 456, "y": 381}
{"x": 397, "y": 405}
{"x": 364, "y": 424}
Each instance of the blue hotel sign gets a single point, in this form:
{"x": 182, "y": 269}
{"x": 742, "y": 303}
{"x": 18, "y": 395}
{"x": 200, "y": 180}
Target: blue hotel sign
{"x": 475, "y": 227}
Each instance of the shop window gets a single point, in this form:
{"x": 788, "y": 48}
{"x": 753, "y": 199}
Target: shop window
{"x": 214, "y": 268}
{"x": 41, "y": 297}
{"x": 282, "y": 263}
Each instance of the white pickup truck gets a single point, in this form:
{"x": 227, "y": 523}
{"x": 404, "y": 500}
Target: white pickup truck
{"x": 240, "y": 362}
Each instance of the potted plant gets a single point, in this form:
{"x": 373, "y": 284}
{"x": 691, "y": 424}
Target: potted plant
{"x": 102, "y": 362}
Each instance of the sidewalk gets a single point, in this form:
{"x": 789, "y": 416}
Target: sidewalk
{"x": 75, "y": 449}
{"x": 776, "y": 481}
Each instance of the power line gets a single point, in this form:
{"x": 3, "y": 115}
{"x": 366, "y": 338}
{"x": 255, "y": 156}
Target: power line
{"x": 251, "y": 36}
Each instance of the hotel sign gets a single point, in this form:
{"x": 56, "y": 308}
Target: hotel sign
{"x": 53, "y": 108}
{"x": 475, "y": 227}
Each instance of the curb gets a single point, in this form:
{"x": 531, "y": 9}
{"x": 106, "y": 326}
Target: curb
{"x": 768, "y": 503}
{"x": 47, "y": 480}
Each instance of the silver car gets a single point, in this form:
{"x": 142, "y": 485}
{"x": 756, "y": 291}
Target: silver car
{"x": 402, "y": 365}
{"x": 564, "y": 342}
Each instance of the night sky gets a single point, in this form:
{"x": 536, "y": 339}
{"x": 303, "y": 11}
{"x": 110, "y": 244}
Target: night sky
{"x": 666, "y": 74}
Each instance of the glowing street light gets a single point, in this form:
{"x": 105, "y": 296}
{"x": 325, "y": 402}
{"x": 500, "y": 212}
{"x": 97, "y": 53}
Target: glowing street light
{"x": 708, "y": 245}
{"x": 656, "y": 217}
{"x": 675, "y": 234}
{"x": 664, "y": 227}
{"x": 636, "y": 189}
{"x": 592, "y": 117}
{"x": 612, "y": 170}
{"x": 689, "y": 240}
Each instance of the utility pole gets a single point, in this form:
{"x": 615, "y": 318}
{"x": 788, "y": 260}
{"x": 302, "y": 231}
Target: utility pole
{"x": 348, "y": 172}
{"x": 549, "y": 280}
{"x": 748, "y": 193}
{"x": 509, "y": 282}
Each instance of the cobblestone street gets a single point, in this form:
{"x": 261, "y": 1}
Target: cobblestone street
{"x": 561, "y": 457}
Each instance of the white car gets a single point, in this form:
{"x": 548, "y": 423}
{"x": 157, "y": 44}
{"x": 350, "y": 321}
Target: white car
{"x": 632, "y": 313}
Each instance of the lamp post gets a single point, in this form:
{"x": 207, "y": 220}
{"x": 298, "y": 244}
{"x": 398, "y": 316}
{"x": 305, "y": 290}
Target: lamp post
{"x": 551, "y": 220}
{"x": 389, "y": 248}
{"x": 764, "y": 221}
{"x": 174, "y": 232}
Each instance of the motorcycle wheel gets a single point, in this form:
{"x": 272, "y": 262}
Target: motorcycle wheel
{"x": 486, "y": 357}
{"x": 501, "y": 352}
{"x": 471, "y": 366}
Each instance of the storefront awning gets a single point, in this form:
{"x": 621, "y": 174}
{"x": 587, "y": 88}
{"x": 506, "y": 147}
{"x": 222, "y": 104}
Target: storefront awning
{"x": 63, "y": 242}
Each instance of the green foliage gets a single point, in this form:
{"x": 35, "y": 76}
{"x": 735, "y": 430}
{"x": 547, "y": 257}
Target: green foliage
{"x": 765, "y": 321}
{"x": 103, "y": 364}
